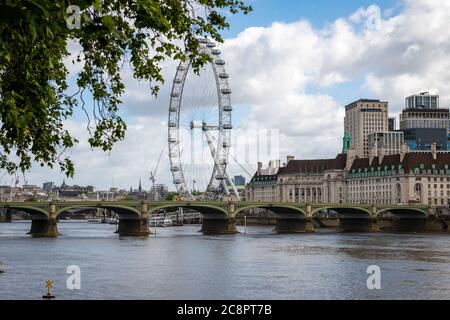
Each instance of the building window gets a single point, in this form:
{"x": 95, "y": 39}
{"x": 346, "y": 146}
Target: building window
{"x": 418, "y": 192}
{"x": 399, "y": 193}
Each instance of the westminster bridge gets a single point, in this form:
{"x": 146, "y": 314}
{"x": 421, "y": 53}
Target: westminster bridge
{"x": 220, "y": 217}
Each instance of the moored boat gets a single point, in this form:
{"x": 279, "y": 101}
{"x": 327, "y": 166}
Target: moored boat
{"x": 160, "y": 222}
{"x": 112, "y": 221}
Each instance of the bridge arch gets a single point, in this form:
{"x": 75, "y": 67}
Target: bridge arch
{"x": 277, "y": 209}
{"x": 407, "y": 219}
{"x": 204, "y": 209}
{"x": 352, "y": 218}
{"x": 343, "y": 210}
{"x": 121, "y": 210}
{"x": 404, "y": 211}
{"x": 35, "y": 212}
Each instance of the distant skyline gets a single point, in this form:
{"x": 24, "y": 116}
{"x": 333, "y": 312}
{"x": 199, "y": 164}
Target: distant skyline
{"x": 293, "y": 66}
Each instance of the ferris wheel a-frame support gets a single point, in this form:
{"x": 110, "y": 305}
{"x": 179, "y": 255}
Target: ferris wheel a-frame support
{"x": 224, "y": 174}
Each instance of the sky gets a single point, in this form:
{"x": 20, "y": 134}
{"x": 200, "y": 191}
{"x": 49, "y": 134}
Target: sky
{"x": 293, "y": 66}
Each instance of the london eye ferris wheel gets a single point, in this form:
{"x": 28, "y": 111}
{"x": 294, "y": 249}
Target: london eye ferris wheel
{"x": 199, "y": 129}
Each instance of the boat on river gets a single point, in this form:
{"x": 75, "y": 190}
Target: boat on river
{"x": 112, "y": 221}
{"x": 160, "y": 222}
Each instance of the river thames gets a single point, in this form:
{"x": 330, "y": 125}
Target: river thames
{"x": 181, "y": 263}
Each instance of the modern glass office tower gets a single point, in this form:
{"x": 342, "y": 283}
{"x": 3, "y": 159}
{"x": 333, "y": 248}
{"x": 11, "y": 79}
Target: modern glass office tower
{"x": 423, "y": 138}
{"x": 422, "y": 101}
{"x": 239, "y": 180}
{"x": 390, "y": 141}
{"x": 420, "y": 121}
{"x": 425, "y": 118}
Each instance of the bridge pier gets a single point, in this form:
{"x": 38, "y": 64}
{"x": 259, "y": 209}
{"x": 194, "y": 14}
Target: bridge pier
{"x": 132, "y": 227}
{"x": 358, "y": 224}
{"x": 409, "y": 225}
{"x": 45, "y": 227}
{"x": 219, "y": 226}
{"x": 356, "y": 221}
{"x": 295, "y": 222}
{"x": 409, "y": 221}
{"x": 290, "y": 224}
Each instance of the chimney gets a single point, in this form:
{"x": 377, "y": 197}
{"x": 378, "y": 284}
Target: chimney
{"x": 270, "y": 167}
{"x": 434, "y": 151}
{"x": 259, "y": 169}
{"x": 403, "y": 151}
{"x": 382, "y": 153}
{"x": 290, "y": 158}
{"x": 372, "y": 154}
{"x": 351, "y": 155}
{"x": 278, "y": 164}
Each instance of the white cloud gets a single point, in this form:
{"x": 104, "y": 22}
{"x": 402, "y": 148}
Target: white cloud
{"x": 130, "y": 160}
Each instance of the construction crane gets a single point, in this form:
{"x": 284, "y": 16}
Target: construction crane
{"x": 153, "y": 174}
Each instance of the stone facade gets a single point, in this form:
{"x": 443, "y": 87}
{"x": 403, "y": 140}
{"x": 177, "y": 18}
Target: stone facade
{"x": 312, "y": 181}
{"x": 302, "y": 181}
{"x": 404, "y": 178}
{"x": 263, "y": 188}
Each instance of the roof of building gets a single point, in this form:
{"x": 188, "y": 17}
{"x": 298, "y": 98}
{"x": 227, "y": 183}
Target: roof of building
{"x": 314, "y": 166}
{"x": 362, "y": 163}
{"x": 414, "y": 160}
{"x": 256, "y": 178}
{"x": 427, "y": 110}
{"x": 354, "y": 103}
{"x": 411, "y": 161}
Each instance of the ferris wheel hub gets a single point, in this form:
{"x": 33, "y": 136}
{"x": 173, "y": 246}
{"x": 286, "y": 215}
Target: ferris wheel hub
{"x": 197, "y": 125}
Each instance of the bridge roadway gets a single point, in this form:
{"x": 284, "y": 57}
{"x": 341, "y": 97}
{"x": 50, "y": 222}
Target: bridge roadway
{"x": 220, "y": 217}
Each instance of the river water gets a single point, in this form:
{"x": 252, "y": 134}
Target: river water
{"x": 181, "y": 263}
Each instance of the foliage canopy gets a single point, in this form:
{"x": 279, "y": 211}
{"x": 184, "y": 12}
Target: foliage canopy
{"x": 34, "y": 35}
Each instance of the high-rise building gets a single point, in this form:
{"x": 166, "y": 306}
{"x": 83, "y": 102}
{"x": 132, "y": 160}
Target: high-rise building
{"x": 390, "y": 142}
{"x": 422, "y": 101}
{"x": 239, "y": 180}
{"x": 362, "y": 118}
{"x": 391, "y": 124}
{"x": 425, "y": 118}
{"x": 420, "y": 121}
{"x": 424, "y": 138}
